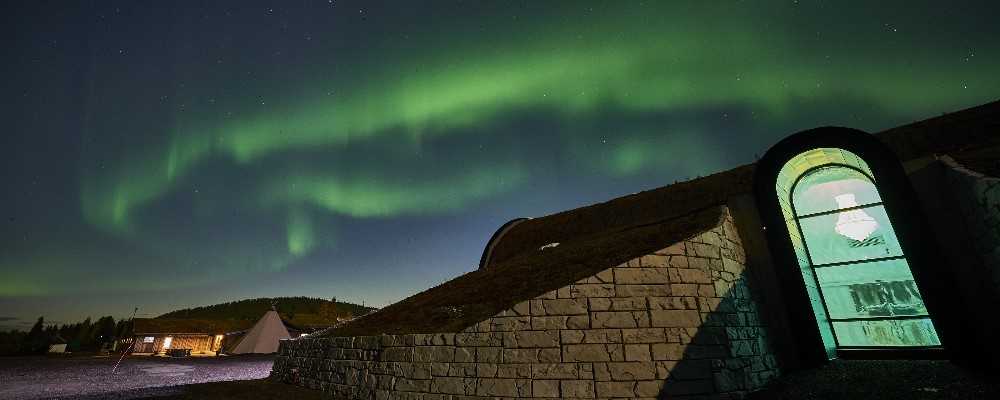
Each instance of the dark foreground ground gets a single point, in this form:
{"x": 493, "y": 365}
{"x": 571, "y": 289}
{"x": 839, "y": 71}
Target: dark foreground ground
{"x": 850, "y": 380}
{"x": 88, "y": 378}
{"x": 896, "y": 379}
{"x": 242, "y": 378}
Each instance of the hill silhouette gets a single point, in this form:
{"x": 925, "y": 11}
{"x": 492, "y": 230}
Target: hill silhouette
{"x": 299, "y": 311}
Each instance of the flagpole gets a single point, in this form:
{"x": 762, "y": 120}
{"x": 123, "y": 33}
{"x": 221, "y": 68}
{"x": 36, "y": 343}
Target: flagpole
{"x": 131, "y": 345}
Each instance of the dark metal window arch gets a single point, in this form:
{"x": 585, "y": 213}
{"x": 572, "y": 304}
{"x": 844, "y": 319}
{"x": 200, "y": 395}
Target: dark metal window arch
{"x": 910, "y": 226}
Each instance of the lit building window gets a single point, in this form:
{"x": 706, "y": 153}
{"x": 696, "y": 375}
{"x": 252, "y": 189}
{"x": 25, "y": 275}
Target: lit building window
{"x": 166, "y": 342}
{"x": 856, "y": 275}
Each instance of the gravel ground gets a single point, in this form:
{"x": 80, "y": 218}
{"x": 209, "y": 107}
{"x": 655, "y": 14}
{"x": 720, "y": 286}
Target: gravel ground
{"x": 30, "y": 378}
{"x": 884, "y": 379}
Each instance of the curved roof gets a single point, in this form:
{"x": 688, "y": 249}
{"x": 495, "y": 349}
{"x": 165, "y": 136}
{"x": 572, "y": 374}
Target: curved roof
{"x": 488, "y": 251}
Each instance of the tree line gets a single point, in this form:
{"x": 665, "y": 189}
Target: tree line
{"x": 82, "y": 336}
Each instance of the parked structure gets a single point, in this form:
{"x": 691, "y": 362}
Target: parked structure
{"x": 836, "y": 243}
{"x": 156, "y": 335}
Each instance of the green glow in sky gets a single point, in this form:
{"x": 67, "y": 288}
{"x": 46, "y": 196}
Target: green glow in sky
{"x": 417, "y": 98}
{"x": 276, "y": 145}
{"x": 301, "y": 237}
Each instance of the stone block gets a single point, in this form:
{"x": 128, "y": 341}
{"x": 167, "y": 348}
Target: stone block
{"x": 531, "y": 339}
{"x": 513, "y": 371}
{"x": 602, "y": 336}
{"x": 505, "y": 324}
{"x": 637, "y": 352}
{"x": 515, "y": 356}
{"x": 571, "y": 336}
{"x": 653, "y": 261}
{"x": 675, "y": 318}
{"x": 592, "y": 352}
{"x": 668, "y": 351}
{"x": 704, "y": 250}
{"x": 678, "y": 262}
{"x": 641, "y": 276}
{"x": 659, "y": 290}
{"x": 600, "y": 304}
{"x": 643, "y": 335}
{"x": 462, "y": 369}
{"x": 486, "y": 370}
{"x": 397, "y": 354}
{"x": 628, "y": 303}
{"x": 673, "y": 303}
{"x": 555, "y": 371}
{"x": 412, "y": 385}
{"x": 545, "y": 388}
{"x": 465, "y": 354}
{"x": 578, "y": 322}
{"x": 439, "y": 368}
{"x": 632, "y": 371}
{"x": 477, "y": 339}
{"x": 450, "y": 385}
{"x": 689, "y": 275}
{"x": 434, "y": 354}
{"x": 548, "y": 323}
{"x": 522, "y": 308}
{"x": 577, "y": 389}
{"x": 549, "y": 355}
{"x": 616, "y": 389}
{"x": 565, "y": 306}
{"x": 594, "y": 290}
{"x": 613, "y": 319}
{"x": 488, "y": 355}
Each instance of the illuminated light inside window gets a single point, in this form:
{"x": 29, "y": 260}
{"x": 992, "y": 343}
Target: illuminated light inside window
{"x": 166, "y": 342}
{"x": 855, "y": 273}
{"x": 854, "y": 224}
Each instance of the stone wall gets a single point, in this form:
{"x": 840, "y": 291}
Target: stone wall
{"x": 679, "y": 322}
{"x": 977, "y": 198}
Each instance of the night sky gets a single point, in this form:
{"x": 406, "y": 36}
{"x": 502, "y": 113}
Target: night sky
{"x": 165, "y": 154}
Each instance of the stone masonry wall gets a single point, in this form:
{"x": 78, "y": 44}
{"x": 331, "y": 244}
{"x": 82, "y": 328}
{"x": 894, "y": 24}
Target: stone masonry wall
{"x": 678, "y": 323}
{"x": 977, "y": 198}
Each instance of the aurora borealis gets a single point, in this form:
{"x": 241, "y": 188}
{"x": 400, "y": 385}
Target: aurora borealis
{"x": 169, "y": 155}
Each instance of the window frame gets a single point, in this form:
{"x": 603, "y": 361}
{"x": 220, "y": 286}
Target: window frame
{"x": 830, "y": 319}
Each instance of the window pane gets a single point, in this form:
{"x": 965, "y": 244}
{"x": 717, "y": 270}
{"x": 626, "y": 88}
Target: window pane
{"x": 850, "y": 236}
{"x": 877, "y": 289}
{"x": 909, "y": 332}
{"x": 832, "y": 188}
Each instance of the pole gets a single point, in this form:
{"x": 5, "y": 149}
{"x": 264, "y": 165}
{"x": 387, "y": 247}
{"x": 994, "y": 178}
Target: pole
{"x": 131, "y": 345}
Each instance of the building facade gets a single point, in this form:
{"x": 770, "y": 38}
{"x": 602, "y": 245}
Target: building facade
{"x": 836, "y": 244}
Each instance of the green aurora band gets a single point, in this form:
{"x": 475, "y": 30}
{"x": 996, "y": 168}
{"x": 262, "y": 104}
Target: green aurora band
{"x": 411, "y": 98}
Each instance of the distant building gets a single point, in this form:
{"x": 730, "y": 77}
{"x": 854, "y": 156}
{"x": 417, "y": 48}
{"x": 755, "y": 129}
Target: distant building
{"x": 57, "y": 344}
{"x": 155, "y": 335}
{"x": 835, "y": 244}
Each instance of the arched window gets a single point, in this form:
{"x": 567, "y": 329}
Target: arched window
{"x": 855, "y": 272}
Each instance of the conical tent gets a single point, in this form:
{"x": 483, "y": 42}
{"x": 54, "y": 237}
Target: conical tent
{"x": 264, "y": 336}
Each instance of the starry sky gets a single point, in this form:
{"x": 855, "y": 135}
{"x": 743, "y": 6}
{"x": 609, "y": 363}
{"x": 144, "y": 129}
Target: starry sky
{"x": 173, "y": 154}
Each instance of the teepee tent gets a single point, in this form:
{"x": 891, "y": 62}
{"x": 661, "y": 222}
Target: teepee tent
{"x": 264, "y": 336}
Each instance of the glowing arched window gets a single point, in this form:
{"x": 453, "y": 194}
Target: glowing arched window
{"x": 855, "y": 272}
